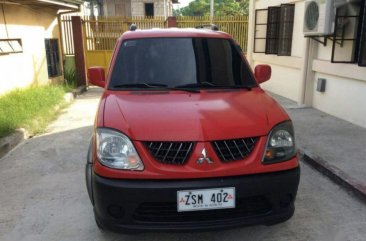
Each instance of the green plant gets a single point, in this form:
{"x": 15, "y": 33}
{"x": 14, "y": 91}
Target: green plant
{"x": 70, "y": 78}
{"x": 31, "y": 108}
{"x": 221, "y": 8}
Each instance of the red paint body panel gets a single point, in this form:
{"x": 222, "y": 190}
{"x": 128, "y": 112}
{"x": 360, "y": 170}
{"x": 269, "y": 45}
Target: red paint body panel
{"x": 201, "y": 117}
{"x": 156, "y": 170}
{"x": 183, "y": 116}
{"x": 262, "y": 73}
{"x": 96, "y": 76}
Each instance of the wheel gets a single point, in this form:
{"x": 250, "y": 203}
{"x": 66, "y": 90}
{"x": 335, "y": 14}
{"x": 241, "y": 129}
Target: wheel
{"x": 101, "y": 228}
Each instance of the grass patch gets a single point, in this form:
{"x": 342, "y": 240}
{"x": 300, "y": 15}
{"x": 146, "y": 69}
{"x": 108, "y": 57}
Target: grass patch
{"x": 32, "y": 108}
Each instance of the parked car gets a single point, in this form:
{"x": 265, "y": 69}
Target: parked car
{"x": 186, "y": 139}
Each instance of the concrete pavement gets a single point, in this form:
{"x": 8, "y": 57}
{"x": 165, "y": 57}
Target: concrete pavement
{"x": 333, "y": 146}
{"x": 43, "y": 194}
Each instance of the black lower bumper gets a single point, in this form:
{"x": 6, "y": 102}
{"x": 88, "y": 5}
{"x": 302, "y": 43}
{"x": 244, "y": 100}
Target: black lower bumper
{"x": 148, "y": 205}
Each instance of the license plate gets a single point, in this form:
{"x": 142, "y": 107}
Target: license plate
{"x": 206, "y": 199}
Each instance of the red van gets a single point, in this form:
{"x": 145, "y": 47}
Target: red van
{"x": 186, "y": 139}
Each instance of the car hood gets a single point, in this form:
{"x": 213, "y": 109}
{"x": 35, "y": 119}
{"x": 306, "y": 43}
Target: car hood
{"x": 183, "y": 116}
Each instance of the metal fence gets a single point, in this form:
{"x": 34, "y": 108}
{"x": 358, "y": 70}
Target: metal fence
{"x": 236, "y": 26}
{"x": 102, "y": 33}
{"x": 66, "y": 35}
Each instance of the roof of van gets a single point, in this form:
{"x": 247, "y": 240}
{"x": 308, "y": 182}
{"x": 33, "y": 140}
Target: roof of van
{"x": 175, "y": 32}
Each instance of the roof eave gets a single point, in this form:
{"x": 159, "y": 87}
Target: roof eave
{"x": 56, "y": 4}
{"x": 64, "y": 4}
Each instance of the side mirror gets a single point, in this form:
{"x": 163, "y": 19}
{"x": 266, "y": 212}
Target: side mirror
{"x": 262, "y": 73}
{"x": 96, "y": 76}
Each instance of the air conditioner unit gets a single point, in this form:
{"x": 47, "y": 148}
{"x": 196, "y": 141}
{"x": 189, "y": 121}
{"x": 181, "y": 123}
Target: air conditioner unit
{"x": 319, "y": 17}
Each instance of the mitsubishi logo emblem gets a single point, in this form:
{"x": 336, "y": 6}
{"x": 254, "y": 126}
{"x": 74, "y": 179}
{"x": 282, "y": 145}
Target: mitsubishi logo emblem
{"x": 204, "y": 158}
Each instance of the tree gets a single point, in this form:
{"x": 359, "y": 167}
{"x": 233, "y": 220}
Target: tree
{"x": 221, "y": 8}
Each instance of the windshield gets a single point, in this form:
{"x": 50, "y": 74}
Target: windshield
{"x": 179, "y": 62}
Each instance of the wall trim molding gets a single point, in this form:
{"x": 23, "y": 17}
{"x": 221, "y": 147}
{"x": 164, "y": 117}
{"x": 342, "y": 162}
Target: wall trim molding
{"x": 286, "y": 61}
{"x": 348, "y": 71}
{"x": 264, "y": 3}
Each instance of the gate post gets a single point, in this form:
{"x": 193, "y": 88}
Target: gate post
{"x": 77, "y": 31}
{"x": 172, "y": 22}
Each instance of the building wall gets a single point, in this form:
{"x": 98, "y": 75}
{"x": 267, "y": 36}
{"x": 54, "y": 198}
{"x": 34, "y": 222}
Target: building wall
{"x": 20, "y": 70}
{"x": 135, "y": 7}
{"x": 286, "y": 70}
{"x": 295, "y": 78}
{"x": 117, "y": 8}
{"x": 138, "y": 7}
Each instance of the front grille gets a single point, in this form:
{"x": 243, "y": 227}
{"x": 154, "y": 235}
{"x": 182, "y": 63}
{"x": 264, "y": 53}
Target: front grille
{"x": 232, "y": 150}
{"x": 167, "y": 212}
{"x": 176, "y": 153}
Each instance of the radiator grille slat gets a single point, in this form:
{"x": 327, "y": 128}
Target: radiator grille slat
{"x": 176, "y": 153}
{"x": 231, "y": 154}
{"x": 236, "y": 149}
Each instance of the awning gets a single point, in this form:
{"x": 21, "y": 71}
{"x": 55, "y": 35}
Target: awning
{"x": 57, "y": 4}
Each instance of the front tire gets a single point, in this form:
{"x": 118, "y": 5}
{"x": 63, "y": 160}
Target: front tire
{"x": 99, "y": 225}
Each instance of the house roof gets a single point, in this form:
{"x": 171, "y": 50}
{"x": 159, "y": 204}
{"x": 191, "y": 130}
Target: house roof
{"x": 57, "y": 4}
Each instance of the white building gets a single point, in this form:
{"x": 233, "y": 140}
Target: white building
{"x": 332, "y": 54}
{"x": 30, "y": 50}
{"x": 137, "y": 7}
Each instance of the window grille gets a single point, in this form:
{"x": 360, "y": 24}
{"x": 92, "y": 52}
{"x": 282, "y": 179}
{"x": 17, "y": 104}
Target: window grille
{"x": 53, "y": 58}
{"x": 273, "y": 27}
{"x": 362, "y": 48}
{"x": 9, "y": 46}
{"x": 260, "y": 30}
{"x": 286, "y": 29}
{"x": 273, "y": 30}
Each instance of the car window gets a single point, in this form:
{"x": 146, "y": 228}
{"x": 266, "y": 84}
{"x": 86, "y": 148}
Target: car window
{"x": 179, "y": 61}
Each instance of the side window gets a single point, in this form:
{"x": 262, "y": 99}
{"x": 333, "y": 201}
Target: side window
{"x": 9, "y": 46}
{"x": 273, "y": 30}
{"x": 349, "y": 38}
{"x": 260, "y": 30}
{"x": 53, "y": 58}
{"x": 286, "y": 29}
{"x": 149, "y": 9}
{"x": 362, "y": 50}
{"x": 345, "y": 40}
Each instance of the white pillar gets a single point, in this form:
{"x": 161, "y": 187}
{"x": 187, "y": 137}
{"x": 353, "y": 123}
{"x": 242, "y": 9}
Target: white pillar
{"x": 251, "y": 29}
{"x": 211, "y": 9}
{"x": 165, "y": 9}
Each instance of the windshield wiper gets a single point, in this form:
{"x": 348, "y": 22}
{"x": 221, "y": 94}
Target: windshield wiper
{"x": 184, "y": 89}
{"x": 211, "y": 85}
{"x": 240, "y": 87}
{"x": 140, "y": 85}
{"x": 154, "y": 85}
{"x": 197, "y": 85}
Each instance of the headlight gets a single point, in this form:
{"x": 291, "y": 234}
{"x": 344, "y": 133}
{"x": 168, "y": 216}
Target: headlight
{"x": 115, "y": 150}
{"x": 281, "y": 144}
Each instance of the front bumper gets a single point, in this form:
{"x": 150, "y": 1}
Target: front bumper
{"x": 150, "y": 205}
